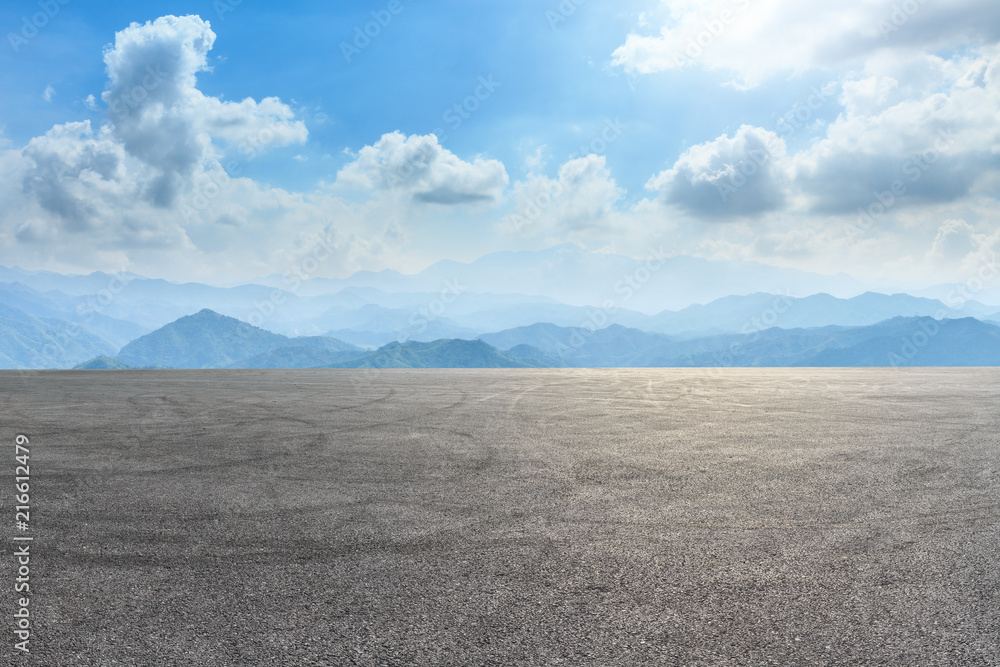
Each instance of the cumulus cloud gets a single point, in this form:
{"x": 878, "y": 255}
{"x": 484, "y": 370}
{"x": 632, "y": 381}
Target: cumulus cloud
{"x": 147, "y": 188}
{"x": 914, "y": 131}
{"x": 961, "y": 250}
{"x": 756, "y": 40}
{"x": 955, "y": 240}
{"x": 728, "y": 177}
{"x": 580, "y": 198}
{"x": 161, "y": 117}
{"x": 76, "y": 174}
{"x": 422, "y": 169}
{"x": 156, "y": 145}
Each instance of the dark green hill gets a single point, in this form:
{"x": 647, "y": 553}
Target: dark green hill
{"x": 900, "y": 341}
{"x": 102, "y": 363}
{"x": 298, "y": 357}
{"x": 575, "y": 346}
{"x": 203, "y": 340}
{"x": 453, "y": 353}
{"x": 533, "y": 356}
{"x": 209, "y": 340}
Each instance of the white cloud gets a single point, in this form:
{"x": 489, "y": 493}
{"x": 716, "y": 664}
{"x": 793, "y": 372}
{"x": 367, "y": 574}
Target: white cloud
{"x": 580, "y": 198}
{"x": 914, "y": 131}
{"x": 961, "y": 250}
{"x": 866, "y": 190}
{"x": 534, "y": 162}
{"x": 49, "y": 93}
{"x": 77, "y": 175}
{"x": 146, "y": 190}
{"x": 728, "y": 177}
{"x": 422, "y": 169}
{"x": 757, "y": 39}
{"x": 955, "y": 240}
{"x": 161, "y": 117}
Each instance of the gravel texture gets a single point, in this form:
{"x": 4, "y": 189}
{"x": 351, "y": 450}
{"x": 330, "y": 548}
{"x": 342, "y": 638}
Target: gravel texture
{"x": 509, "y": 517}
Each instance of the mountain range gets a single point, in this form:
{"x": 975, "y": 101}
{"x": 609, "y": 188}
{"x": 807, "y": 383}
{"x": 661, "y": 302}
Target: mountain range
{"x": 525, "y": 306}
{"x": 209, "y": 340}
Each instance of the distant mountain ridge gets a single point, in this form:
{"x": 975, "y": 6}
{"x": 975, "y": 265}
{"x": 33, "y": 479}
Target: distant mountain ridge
{"x": 56, "y": 321}
{"x": 454, "y": 353}
{"x": 572, "y": 275}
{"x": 28, "y": 341}
{"x": 900, "y": 341}
{"x": 565, "y": 273}
{"x": 57, "y": 305}
{"x": 563, "y": 285}
{"x": 209, "y": 340}
{"x": 297, "y": 356}
{"x": 753, "y": 312}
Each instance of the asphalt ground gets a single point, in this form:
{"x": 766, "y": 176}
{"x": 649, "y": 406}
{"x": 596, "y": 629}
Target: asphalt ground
{"x": 507, "y": 517}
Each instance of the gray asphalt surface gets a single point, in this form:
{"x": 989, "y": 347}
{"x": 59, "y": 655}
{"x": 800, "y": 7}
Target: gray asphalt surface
{"x": 527, "y": 517}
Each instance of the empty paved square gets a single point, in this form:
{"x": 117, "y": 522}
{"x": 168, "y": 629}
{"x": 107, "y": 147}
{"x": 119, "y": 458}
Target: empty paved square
{"x": 498, "y": 517}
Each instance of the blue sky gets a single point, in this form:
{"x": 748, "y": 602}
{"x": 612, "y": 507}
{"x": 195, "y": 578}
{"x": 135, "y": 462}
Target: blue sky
{"x": 615, "y": 126}
{"x": 556, "y": 86}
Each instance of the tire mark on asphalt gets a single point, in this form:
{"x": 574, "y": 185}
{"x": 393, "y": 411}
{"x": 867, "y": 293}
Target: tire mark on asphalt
{"x": 326, "y": 434}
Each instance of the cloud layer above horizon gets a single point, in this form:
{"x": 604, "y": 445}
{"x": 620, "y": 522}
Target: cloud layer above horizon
{"x": 885, "y": 163}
